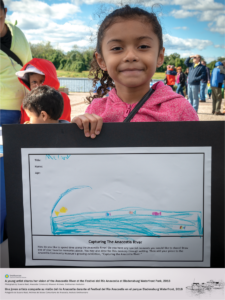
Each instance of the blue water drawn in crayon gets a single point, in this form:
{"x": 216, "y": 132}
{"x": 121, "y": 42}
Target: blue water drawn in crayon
{"x": 124, "y": 221}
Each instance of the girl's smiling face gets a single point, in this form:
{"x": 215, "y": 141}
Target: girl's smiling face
{"x": 130, "y": 53}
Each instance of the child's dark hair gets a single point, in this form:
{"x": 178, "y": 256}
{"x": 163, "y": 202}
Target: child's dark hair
{"x": 125, "y": 12}
{"x": 31, "y": 73}
{"x": 45, "y": 98}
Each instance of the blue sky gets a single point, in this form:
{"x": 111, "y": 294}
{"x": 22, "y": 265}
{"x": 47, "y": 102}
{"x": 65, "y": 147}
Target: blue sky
{"x": 189, "y": 26}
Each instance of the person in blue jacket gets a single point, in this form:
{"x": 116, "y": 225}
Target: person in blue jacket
{"x": 216, "y": 84}
{"x": 204, "y": 82}
{"x": 196, "y": 73}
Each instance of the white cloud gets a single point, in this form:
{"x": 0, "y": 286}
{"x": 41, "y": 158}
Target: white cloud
{"x": 119, "y": 2}
{"x": 209, "y": 15}
{"x": 76, "y": 32}
{"x": 187, "y": 4}
{"x": 40, "y": 22}
{"x": 218, "y": 29}
{"x": 181, "y": 14}
{"x": 218, "y": 25}
{"x": 39, "y": 8}
{"x": 146, "y": 3}
{"x": 208, "y": 59}
{"x": 216, "y": 20}
{"x": 205, "y": 10}
{"x": 43, "y": 29}
{"x": 219, "y": 46}
{"x": 202, "y": 5}
{"x": 173, "y": 42}
{"x": 184, "y": 28}
{"x": 25, "y": 21}
{"x": 82, "y": 46}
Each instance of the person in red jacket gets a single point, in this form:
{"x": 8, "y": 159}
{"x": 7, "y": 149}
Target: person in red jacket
{"x": 170, "y": 76}
{"x": 38, "y": 72}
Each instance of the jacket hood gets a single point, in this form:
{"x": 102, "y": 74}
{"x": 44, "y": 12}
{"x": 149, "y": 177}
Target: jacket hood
{"x": 164, "y": 105}
{"x": 218, "y": 64}
{"x": 47, "y": 68}
{"x": 162, "y": 93}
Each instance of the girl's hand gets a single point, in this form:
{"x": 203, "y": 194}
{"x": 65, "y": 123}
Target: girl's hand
{"x": 91, "y": 123}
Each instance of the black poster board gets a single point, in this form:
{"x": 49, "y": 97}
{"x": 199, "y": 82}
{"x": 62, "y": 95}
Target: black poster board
{"x": 171, "y": 134}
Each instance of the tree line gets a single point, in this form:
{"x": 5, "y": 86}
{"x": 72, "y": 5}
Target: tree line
{"x": 73, "y": 60}
{"x": 78, "y": 61}
{"x": 177, "y": 61}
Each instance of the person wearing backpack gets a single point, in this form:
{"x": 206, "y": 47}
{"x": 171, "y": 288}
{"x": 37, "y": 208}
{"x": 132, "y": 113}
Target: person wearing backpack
{"x": 216, "y": 83}
{"x": 170, "y": 76}
{"x": 14, "y": 53}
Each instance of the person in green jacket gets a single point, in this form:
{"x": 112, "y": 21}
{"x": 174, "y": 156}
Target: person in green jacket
{"x": 12, "y": 92}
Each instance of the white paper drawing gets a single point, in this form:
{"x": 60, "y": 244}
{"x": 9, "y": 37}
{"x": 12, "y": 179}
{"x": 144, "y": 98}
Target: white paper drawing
{"x": 125, "y": 194}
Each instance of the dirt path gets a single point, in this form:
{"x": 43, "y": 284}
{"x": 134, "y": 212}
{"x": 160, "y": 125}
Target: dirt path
{"x": 205, "y": 109}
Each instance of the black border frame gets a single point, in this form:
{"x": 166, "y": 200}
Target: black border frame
{"x": 168, "y": 134}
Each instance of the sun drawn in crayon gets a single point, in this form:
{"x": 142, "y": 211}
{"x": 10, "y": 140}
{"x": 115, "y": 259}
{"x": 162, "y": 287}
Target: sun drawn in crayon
{"x": 62, "y": 210}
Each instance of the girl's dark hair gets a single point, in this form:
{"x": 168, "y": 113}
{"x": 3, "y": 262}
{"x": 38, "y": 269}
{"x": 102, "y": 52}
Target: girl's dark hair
{"x": 2, "y": 6}
{"x": 125, "y": 12}
{"x": 45, "y": 98}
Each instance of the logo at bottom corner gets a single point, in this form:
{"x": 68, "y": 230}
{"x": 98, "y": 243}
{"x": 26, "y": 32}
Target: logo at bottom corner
{"x": 6, "y": 276}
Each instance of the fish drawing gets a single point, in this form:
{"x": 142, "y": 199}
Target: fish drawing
{"x": 155, "y": 213}
{"x": 126, "y": 221}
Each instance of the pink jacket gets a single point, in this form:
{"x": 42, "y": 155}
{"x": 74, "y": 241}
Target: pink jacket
{"x": 164, "y": 105}
{"x": 178, "y": 78}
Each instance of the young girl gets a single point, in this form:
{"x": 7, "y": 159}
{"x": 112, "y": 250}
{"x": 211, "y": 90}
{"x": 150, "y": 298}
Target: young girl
{"x": 129, "y": 49}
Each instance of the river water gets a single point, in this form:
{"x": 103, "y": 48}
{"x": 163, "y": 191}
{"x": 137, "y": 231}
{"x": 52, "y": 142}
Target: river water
{"x": 82, "y": 85}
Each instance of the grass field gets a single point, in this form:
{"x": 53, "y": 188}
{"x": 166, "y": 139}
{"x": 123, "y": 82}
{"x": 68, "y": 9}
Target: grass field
{"x": 61, "y": 73}
{"x": 84, "y": 74}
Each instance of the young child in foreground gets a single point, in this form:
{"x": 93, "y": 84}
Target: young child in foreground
{"x": 44, "y": 105}
{"x": 129, "y": 49}
{"x": 39, "y": 72}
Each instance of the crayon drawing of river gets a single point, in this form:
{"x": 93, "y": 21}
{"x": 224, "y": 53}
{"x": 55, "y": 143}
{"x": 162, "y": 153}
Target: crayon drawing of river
{"x": 125, "y": 221}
